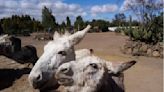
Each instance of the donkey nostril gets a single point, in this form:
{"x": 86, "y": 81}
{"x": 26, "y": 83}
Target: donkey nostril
{"x": 38, "y": 78}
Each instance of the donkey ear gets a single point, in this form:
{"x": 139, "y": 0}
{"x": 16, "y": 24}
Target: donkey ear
{"x": 56, "y": 35}
{"x": 119, "y": 67}
{"x": 78, "y": 36}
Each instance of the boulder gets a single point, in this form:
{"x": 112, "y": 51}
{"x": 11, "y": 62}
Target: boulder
{"x": 128, "y": 44}
{"x": 136, "y": 51}
{"x": 143, "y": 48}
{"x": 129, "y": 51}
{"x": 156, "y": 54}
{"x": 149, "y": 52}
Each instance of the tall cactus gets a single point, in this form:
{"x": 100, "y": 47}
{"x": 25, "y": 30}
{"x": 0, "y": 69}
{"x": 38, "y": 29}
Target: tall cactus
{"x": 148, "y": 34}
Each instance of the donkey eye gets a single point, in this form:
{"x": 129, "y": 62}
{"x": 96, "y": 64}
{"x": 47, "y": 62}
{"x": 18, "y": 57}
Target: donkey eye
{"x": 93, "y": 65}
{"x": 63, "y": 53}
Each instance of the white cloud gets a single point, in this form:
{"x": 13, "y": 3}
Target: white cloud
{"x": 10, "y": 4}
{"x": 27, "y": 5}
{"x": 104, "y": 8}
{"x": 127, "y": 3}
{"x": 34, "y": 7}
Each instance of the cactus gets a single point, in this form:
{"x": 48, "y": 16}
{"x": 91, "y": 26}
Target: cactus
{"x": 150, "y": 33}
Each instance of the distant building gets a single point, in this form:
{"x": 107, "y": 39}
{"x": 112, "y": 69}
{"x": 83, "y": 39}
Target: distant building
{"x": 113, "y": 29}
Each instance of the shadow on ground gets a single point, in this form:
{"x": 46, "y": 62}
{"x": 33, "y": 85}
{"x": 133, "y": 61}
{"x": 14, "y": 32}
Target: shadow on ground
{"x": 8, "y": 76}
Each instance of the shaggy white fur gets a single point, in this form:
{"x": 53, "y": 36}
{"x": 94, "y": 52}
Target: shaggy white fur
{"x": 56, "y": 52}
{"x": 91, "y": 74}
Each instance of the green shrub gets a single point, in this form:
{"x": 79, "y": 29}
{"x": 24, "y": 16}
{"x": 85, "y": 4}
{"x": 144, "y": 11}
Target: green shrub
{"x": 150, "y": 33}
{"x": 118, "y": 30}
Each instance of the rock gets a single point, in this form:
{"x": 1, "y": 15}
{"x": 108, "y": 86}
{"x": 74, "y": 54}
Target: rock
{"x": 156, "y": 54}
{"x": 140, "y": 48}
{"x": 135, "y": 52}
{"x": 128, "y": 44}
{"x": 143, "y": 48}
{"x": 129, "y": 51}
{"x": 156, "y": 47}
{"x": 149, "y": 52}
{"x": 123, "y": 49}
{"x": 135, "y": 44}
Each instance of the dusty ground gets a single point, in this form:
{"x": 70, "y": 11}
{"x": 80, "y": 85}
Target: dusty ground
{"x": 145, "y": 76}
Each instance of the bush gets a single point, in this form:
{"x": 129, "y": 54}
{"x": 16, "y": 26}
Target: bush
{"x": 118, "y": 30}
{"x": 121, "y": 29}
{"x": 151, "y": 33}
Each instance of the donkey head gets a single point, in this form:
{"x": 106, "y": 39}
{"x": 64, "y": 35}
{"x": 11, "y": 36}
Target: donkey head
{"x": 88, "y": 73}
{"x": 56, "y": 52}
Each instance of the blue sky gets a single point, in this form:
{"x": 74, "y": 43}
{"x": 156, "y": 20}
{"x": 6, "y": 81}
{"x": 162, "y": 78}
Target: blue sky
{"x": 88, "y": 9}
{"x": 94, "y": 2}
{"x": 88, "y": 4}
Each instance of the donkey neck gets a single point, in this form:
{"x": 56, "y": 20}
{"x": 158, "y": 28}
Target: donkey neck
{"x": 112, "y": 83}
{"x": 71, "y": 54}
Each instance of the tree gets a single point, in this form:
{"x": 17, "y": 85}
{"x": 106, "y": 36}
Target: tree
{"x": 37, "y": 26}
{"x": 119, "y": 19}
{"x": 48, "y": 20}
{"x": 68, "y": 22}
{"x": 147, "y": 11}
{"x": 100, "y": 25}
{"x": 20, "y": 25}
{"x": 62, "y": 27}
{"x": 79, "y": 23}
{"x": 1, "y": 30}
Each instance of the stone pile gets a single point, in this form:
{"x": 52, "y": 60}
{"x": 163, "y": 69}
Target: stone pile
{"x": 142, "y": 49}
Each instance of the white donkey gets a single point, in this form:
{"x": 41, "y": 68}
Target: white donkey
{"x": 58, "y": 51}
{"x": 92, "y": 74}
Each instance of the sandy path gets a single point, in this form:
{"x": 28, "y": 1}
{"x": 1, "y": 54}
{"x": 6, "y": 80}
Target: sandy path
{"x": 145, "y": 76}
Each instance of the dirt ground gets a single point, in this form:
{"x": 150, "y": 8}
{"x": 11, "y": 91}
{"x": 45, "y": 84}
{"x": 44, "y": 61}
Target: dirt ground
{"x": 145, "y": 76}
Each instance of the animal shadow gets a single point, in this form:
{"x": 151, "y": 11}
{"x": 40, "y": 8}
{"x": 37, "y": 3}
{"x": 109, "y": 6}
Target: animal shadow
{"x": 8, "y": 76}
